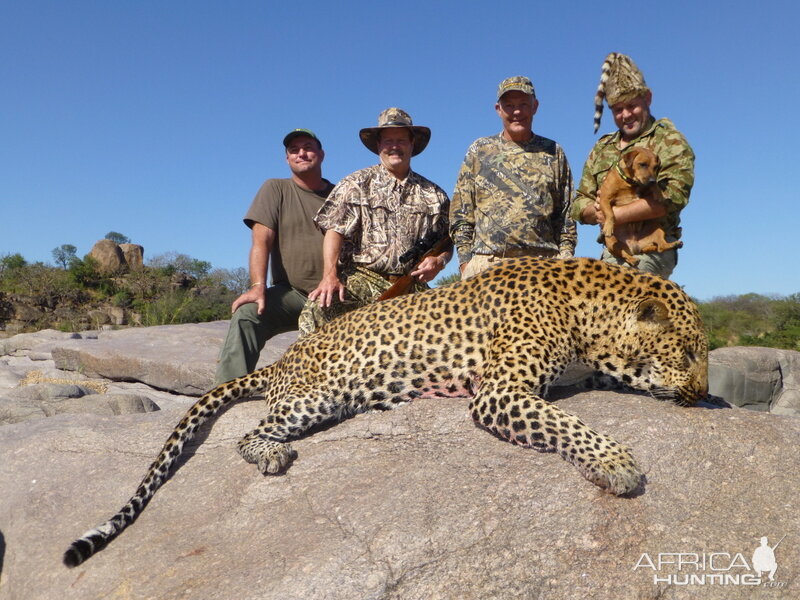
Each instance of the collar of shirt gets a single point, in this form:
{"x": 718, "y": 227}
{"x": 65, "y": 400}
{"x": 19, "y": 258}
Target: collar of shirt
{"x": 385, "y": 179}
{"x": 532, "y": 144}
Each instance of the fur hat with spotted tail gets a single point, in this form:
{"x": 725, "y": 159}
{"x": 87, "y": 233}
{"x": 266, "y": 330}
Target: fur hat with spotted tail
{"x": 620, "y": 81}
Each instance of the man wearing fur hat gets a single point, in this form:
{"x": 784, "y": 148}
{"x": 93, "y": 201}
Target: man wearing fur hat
{"x": 513, "y": 191}
{"x": 624, "y": 88}
{"x": 372, "y": 218}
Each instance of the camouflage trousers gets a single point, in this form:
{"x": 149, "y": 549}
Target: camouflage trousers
{"x": 480, "y": 262}
{"x": 362, "y": 287}
{"x": 660, "y": 263}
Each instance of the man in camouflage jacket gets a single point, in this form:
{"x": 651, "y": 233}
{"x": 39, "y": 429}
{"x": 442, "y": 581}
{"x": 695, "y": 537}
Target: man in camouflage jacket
{"x": 513, "y": 191}
{"x": 629, "y": 98}
{"x": 372, "y": 218}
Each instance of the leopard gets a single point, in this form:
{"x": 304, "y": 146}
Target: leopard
{"x": 499, "y": 339}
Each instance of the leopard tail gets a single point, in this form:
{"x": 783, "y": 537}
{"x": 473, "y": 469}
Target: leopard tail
{"x": 605, "y": 71}
{"x": 208, "y": 406}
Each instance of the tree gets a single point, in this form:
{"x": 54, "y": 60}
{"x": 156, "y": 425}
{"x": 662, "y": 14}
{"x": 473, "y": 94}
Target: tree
{"x": 64, "y": 255}
{"x": 118, "y": 238}
{"x": 236, "y": 280}
{"x": 11, "y": 262}
{"x": 174, "y": 261}
{"x": 447, "y": 279}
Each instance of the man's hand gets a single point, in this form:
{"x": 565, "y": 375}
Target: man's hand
{"x": 329, "y": 287}
{"x": 428, "y": 269}
{"x": 592, "y": 215}
{"x": 257, "y": 294}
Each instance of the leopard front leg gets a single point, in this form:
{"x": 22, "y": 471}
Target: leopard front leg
{"x": 523, "y": 418}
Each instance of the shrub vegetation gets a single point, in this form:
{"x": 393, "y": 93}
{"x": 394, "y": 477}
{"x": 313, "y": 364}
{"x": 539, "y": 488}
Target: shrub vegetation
{"x": 175, "y": 288}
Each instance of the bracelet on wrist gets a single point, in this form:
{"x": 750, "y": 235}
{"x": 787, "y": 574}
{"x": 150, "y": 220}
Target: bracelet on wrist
{"x": 257, "y": 283}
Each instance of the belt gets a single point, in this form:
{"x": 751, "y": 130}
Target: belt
{"x": 517, "y": 252}
{"x": 385, "y": 276}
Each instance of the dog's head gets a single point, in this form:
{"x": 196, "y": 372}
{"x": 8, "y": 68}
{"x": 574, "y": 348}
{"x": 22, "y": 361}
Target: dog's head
{"x": 641, "y": 165}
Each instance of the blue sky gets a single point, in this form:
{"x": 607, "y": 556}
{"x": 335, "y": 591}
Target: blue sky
{"x": 161, "y": 120}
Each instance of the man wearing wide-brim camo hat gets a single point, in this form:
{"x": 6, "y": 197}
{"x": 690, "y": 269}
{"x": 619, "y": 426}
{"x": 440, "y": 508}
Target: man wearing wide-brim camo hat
{"x": 373, "y": 218}
{"x": 628, "y": 96}
{"x": 513, "y": 191}
{"x": 392, "y": 118}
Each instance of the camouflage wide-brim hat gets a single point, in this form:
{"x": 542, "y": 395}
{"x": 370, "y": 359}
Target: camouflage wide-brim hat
{"x": 395, "y": 117}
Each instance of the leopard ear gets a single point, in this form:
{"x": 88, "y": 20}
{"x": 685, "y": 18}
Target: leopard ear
{"x": 651, "y": 310}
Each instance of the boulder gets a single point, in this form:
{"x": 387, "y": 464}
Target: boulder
{"x": 109, "y": 257}
{"x": 116, "y": 314}
{"x": 98, "y": 317}
{"x": 48, "y": 399}
{"x": 178, "y": 358}
{"x": 26, "y": 312}
{"x": 133, "y": 254}
{"x": 762, "y": 379}
{"x": 20, "y": 344}
{"x": 404, "y": 504}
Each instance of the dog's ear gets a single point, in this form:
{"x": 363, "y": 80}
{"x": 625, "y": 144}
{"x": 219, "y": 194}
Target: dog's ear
{"x": 629, "y": 158}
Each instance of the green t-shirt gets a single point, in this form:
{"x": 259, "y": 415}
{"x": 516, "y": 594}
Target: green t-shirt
{"x": 289, "y": 210}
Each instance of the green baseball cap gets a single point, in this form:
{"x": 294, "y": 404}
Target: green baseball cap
{"x": 297, "y": 133}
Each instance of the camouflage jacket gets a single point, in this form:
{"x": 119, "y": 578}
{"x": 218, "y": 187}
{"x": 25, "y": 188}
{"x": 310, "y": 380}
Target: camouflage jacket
{"x": 512, "y": 196}
{"x": 675, "y": 178}
{"x": 382, "y": 217}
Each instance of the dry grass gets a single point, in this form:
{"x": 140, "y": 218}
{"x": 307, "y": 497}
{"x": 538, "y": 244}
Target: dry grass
{"x": 34, "y": 377}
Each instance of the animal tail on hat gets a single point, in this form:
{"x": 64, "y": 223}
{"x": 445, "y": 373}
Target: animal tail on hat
{"x": 208, "y": 406}
{"x": 605, "y": 71}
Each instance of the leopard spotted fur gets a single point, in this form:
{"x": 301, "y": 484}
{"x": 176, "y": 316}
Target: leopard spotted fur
{"x": 499, "y": 338}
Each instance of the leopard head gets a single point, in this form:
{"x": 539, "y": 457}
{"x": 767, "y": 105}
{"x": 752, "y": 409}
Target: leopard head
{"x": 662, "y": 348}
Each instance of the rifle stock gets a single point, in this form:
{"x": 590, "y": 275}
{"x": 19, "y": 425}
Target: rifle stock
{"x": 403, "y": 284}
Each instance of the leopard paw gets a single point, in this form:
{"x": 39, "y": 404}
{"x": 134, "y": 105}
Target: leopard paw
{"x": 617, "y": 472}
{"x": 270, "y": 456}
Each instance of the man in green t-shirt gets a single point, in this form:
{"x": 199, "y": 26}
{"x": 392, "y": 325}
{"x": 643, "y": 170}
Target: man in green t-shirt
{"x": 623, "y": 86}
{"x": 285, "y": 239}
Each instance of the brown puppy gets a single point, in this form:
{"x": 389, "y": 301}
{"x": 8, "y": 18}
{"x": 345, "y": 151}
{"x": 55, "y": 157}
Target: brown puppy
{"x": 633, "y": 177}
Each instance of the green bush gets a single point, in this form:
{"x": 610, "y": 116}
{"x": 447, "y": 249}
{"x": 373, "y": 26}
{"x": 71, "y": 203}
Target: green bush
{"x": 184, "y": 306}
{"x": 447, "y": 279}
{"x": 753, "y": 320}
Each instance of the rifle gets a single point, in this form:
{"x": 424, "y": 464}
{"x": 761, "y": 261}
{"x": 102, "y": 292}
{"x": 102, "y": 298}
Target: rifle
{"x": 405, "y": 282}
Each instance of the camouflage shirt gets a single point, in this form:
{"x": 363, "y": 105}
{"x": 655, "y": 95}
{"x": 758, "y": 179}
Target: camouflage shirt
{"x": 675, "y": 177}
{"x": 382, "y": 217}
{"x": 512, "y": 196}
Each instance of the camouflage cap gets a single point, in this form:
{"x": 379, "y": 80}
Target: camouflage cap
{"x": 518, "y": 84}
{"x": 395, "y": 117}
{"x": 297, "y": 133}
{"x": 625, "y": 80}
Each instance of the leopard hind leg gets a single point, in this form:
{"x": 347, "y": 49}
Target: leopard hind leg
{"x": 523, "y": 418}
